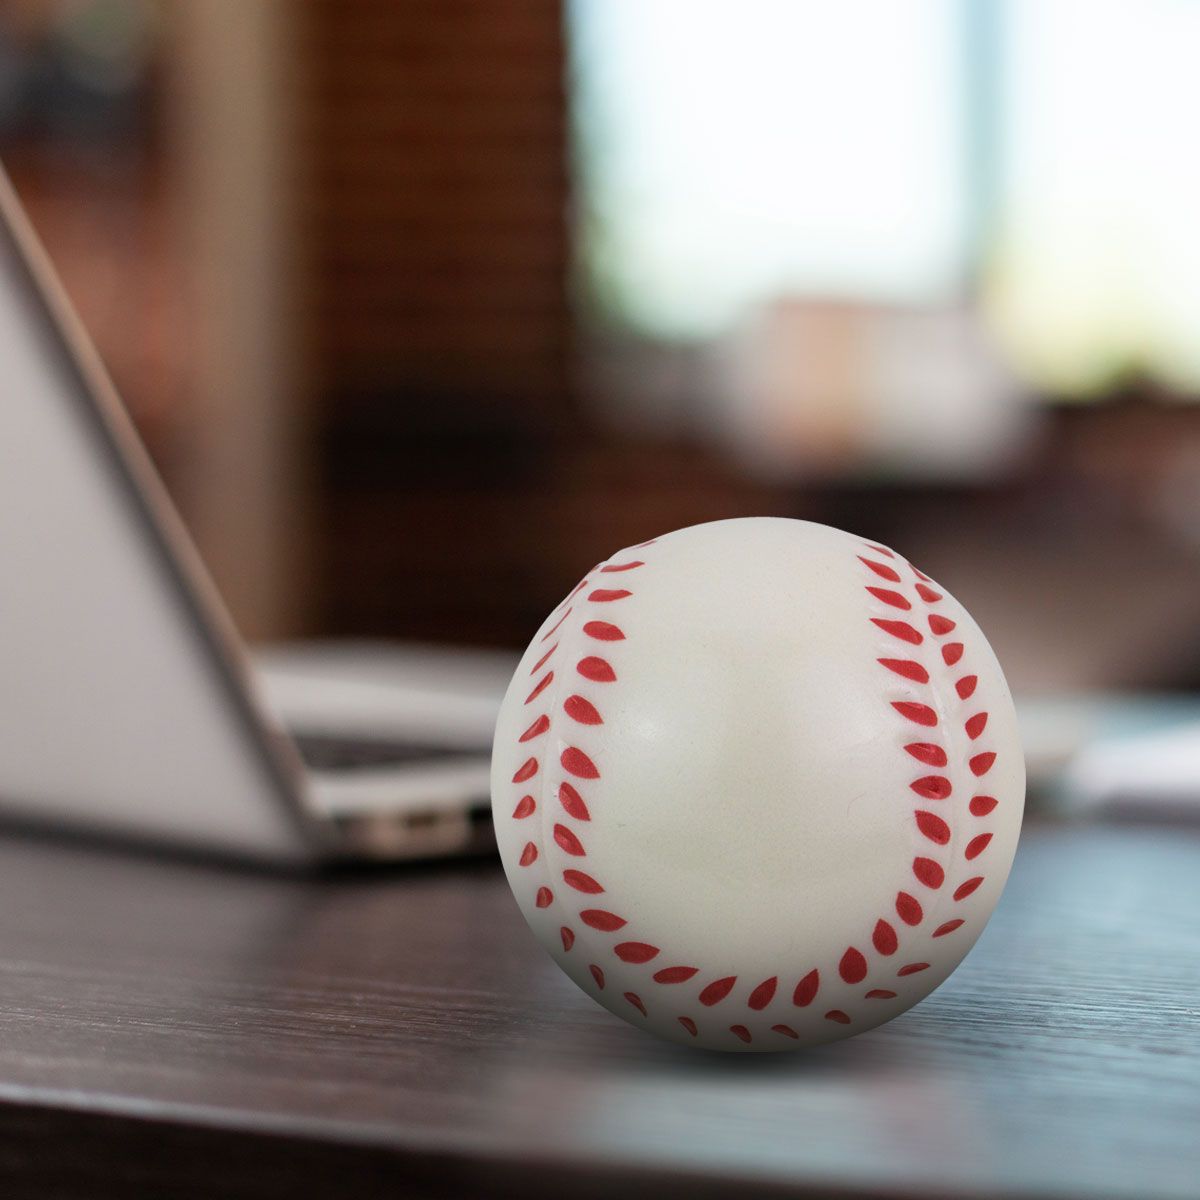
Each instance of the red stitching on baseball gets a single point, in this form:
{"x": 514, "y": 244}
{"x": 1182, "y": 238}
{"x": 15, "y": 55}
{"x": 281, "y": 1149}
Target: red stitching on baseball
{"x": 581, "y": 710}
{"x": 981, "y": 764}
{"x": 607, "y": 595}
{"x": 982, "y": 805}
{"x": 921, "y": 714}
{"x": 536, "y": 729}
{"x": 541, "y": 662}
{"x": 948, "y": 927}
{"x": 880, "y": 549}
{"x": 853, "y": 967}
{"x": 908, "y": 909}
{"x": 929, "y": 872}
{"x": 582, "y": 883}
{"x": 572, "y": 802}
{"x": 636, "y": 1001}
{"x": 763, "y": 994}
{"x": 717, "y": 991}
{"x": 906, "y": 667}
{"x": 913, "y": 968}
{"x": 975, "y": 725}
{"x": 602, "y": 631}
{"x": 597, "y": 975}
{"x": 596, "y": 669}
{"x": 576, "y": 763}
{"x": 541, "y": 687}
{"x": 806, "y": 990}
{"x": 927, "y": 752}
{"x": 836, "y": 1014}
{"x": 977, "y": 845}
{"x": 884, "y": 938}
{"x": 894, "y": 599}
{"x": 932, "y": 787}
{"x": 545, "y": 897}
{"x": 951, "y": 653}
{"x": 526, "y": 807}
{"x": 629, "y": 566}
{"x": 880, "y": 994}
{"x": 786, "y": 1030}
{"x": 527, "y": 770}
{"x": 554, "y": 628}
{"x": 568, "y": 937}
{"x": 635, "y": 952}
{"x": 740, "y": 1031}
{"x": 928, "y": 594}
{"x": 529, "y": 855}
{"x": 965, "y": 687}
{"x": 965, "y": 889}
{"x": 675, "y": 974}
{"x": 689, "y": 1025}
{"x": 933, "y": 827}
{"x": 568, "y": 841}
{"x": 880, "y": 569}
{"x": 606, "y": 922}
{"x": 899, "y": 629}
{"x": 941, "y": 625}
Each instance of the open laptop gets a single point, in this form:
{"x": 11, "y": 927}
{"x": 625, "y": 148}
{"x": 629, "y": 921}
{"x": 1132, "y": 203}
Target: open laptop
{"x": 128, "y": 704}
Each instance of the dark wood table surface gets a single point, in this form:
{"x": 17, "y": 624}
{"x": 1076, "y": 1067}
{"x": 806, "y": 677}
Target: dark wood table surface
{"x": 186, "y": 1030}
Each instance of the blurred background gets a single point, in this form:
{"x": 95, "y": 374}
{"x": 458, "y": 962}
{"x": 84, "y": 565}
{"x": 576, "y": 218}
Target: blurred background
{"x": 424, "y": 307}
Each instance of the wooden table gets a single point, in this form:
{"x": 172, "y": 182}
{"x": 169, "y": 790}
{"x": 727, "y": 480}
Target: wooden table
{"x": 185, "y": 1030}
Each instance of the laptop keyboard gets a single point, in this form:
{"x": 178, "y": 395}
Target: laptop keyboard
{"x": 325, "y": 752}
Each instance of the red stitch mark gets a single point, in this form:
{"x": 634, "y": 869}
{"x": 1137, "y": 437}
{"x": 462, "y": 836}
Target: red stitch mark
{"x": 836, "y": 1014}
{"x": 919, "y": 574}
{"x": 607, "y": 595}
{"x": 927, "y": 752}
{"x": 786, "y": 1030}
{"x": 880, "y": 994}
{"x": 541, "y": 662}
{"x": 602, "y": 631}
{"x": 596, "y": 669}
{"x": 554, "y": 628}
{"x": 965, "y": 687}
{"x": 674, "y": 974}
{"x": 949, "y": 927}
{"x": 853, "y": 967}
{"x": 880, "y": 549}
{"x": 982, "y": 805}
{"x": 740, "y": 1031}
{"x": 568, "y": 937}
{"x": 621, "y": 566}
{"x": 952, "y": 652}
{"x": 582, "y": 883}
{"x": 884, "y": 938}
{"x": 806, "y": 990}
{"x": 541, "y": 687}
{"x": 894, "y": 599}
{"x": 537, "y": 728}
{"x": 568, "y": 841}
{"x": 880, "y": 569}
{"x": 581, "y": 710}
{"x": 941, "y": 625}
{"x": 913, "y": 968}
{"x": 928, "y": 594}
{"x": 529, "y": 854}
{"x": 717, "y": 991}
{"x": 688, "y": 1024}
{"x": 908, "y": 909}
{"x": 545, "y": 897}
{"x": 899, "y": 629}
{"x": 977, "y": 845}
{"x": 635, "y": 952}
{"x": 572, "y": 802}
{"x": 763, "y": 994}
{"x": 975, "y": 725}
{"x": 636, "y": 1001}
{"x": 928, "y": 872}
{"x": 933, "y": 827}
{"x": 921, "y": 714}
{"x": 651, "y": 542}
{"x": 906, "y": 667}
{"x": 981, "y": 764}
{"x": 932, "y": 787}
{"x": 527, "y": 770}
{"x": 965, "y": 889}
{"x": 606, "y": 922}
{"x": 576, "y": 763}
{"x": 597, "y": 975}
{"x": 526, "y": 807}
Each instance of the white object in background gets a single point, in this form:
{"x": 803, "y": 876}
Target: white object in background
{"x": 757, "y": 784}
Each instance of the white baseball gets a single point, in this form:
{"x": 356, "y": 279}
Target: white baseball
{"x": 757, "y": 784}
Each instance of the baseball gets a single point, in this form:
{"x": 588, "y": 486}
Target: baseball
{"x": 757, "y": 784}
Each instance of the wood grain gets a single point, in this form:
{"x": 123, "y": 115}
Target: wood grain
{"x": 184, "y": 1029}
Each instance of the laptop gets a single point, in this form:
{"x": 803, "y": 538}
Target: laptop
{"x": 129, "y": 707}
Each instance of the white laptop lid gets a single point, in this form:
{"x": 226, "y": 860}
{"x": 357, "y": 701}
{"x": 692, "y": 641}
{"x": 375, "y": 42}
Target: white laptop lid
{"x": 124, "y": 703}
